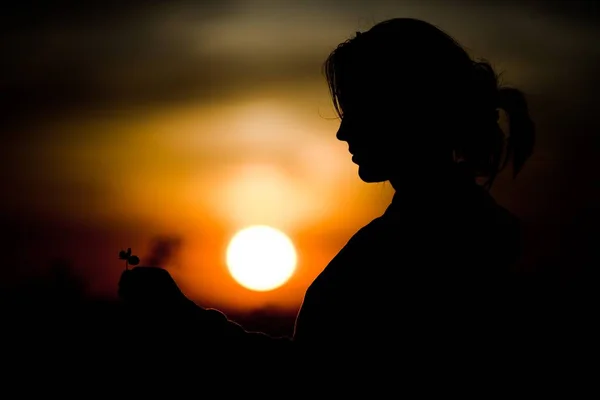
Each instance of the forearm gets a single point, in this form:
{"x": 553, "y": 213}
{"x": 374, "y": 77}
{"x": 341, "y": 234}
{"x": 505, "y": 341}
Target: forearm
{"x": 234, "y": 335}
{"x": 155, "y": 305}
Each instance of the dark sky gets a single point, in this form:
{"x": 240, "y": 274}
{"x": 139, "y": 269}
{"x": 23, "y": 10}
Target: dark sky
{"x": 91, "y": 63}
{"x": 82, "y": 54}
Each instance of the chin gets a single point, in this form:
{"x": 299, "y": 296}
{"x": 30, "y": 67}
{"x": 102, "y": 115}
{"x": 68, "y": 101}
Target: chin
{"x": 371, "y": 175}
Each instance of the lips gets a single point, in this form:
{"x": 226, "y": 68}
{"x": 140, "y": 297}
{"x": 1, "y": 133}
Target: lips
{"x": 351, "y": 151}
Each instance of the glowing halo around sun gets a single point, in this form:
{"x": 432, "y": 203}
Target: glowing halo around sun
{"x": 261, "y": 258}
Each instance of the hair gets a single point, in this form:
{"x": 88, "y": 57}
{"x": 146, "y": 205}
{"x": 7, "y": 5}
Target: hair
{"x": 408, "y": 57}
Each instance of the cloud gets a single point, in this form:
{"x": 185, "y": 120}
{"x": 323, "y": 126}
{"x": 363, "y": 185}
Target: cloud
{"x": 95, "y": 56}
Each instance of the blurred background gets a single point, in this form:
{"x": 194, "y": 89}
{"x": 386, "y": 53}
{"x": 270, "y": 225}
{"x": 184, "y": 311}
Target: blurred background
{"x": 168, "y": 126}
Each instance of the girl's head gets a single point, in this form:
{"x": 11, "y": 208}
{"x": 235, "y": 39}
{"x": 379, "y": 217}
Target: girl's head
{"x": 412, "y": 104}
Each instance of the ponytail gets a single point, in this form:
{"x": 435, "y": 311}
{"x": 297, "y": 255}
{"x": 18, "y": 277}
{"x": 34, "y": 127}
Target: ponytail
{"x": 485, "y": 148}
{"x": 521, "y": 128}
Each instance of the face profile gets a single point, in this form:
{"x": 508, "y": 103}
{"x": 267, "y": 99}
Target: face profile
{"x": 366, "y": 148}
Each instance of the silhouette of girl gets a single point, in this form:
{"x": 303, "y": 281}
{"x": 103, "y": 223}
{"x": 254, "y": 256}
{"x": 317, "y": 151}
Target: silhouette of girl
{"x": 432, "y": 275}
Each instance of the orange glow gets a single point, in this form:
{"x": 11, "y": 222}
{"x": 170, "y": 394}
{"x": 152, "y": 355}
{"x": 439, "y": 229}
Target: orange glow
{"x": 205, "y": 172}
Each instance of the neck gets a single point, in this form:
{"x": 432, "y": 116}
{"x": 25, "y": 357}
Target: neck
{"x": 425, "y": 184}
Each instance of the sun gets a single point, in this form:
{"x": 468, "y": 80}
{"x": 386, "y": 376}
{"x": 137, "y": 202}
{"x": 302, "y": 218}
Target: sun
{"x": 261, "y": 258}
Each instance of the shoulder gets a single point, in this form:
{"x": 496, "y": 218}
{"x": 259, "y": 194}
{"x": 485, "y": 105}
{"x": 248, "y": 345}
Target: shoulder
{"x": 366, "y": 244}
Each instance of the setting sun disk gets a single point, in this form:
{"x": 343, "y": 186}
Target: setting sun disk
{"x": 261, "y": 258}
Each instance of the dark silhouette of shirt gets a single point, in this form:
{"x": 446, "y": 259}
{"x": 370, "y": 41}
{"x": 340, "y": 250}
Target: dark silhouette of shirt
{"x": 431, "y": 270}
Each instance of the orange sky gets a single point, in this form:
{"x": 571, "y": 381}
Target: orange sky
{"x": 197, "y": 119}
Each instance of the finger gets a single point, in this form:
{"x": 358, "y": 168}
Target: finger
{"x": 147, "y": 273}
{"x": 148, "y": 283}
{"x": 142, "y": 275}
{"x": 125, "y": 283}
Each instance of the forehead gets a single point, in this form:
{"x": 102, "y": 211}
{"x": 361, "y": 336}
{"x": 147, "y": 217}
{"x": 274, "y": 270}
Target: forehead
{"x": 355, "y": 80}
{"x": 365, "y": 97}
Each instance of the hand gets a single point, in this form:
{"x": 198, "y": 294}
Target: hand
{"x": 149, "y": 286}
{"x": 154, "y": 301}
